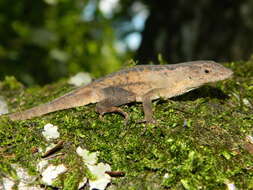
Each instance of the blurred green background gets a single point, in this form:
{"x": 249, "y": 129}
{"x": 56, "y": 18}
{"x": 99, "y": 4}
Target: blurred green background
{"x": 44, "y": 40}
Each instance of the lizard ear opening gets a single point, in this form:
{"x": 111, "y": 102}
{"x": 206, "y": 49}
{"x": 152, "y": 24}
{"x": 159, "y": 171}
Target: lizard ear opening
{"x": 207, "y": 71}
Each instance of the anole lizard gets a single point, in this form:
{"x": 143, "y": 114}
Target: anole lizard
{"x": 142, "y": 83}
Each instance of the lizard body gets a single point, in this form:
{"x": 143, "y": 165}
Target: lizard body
{"x": 142, "y": 83}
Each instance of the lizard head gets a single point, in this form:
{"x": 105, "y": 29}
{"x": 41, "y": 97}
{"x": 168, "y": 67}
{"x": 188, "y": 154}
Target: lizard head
{"x": 203, "y": 72}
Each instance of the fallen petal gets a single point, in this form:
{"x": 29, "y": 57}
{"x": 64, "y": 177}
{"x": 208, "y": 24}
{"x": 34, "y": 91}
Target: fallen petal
{"x": 50, "y": 132}
{"x": 52, "y": 172}
{"x": 88, "y": 157}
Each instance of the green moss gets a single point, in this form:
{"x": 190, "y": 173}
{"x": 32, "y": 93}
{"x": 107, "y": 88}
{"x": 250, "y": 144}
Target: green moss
{"x": 198, "y": 141}
{"x": 11, "y": 83}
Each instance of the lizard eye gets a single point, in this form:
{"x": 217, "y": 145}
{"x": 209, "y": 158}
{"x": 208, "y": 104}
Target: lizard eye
{"x": 207, "y": 71}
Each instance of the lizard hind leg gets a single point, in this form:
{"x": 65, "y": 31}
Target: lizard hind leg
{"x": 103, "y": 109}
{"x": 115, "y": 96}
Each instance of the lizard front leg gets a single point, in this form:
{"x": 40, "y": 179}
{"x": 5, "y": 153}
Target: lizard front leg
{"x": 147, "y": 104}
{"x": 115, "y": 96}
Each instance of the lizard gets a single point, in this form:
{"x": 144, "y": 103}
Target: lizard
{"x": 140, "y": 83}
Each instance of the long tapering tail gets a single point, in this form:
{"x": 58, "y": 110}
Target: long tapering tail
{"x": 74, "y": 99}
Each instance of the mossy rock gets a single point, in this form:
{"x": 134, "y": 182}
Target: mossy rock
{"x": 199, "y": 141}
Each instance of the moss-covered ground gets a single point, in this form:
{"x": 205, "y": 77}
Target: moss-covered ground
{"x": 198, "y": 142}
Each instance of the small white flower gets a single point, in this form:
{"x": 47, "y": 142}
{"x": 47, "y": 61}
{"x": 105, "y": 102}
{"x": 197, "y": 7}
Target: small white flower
{"x": 80, "y": 79}
{"x": 3, "y": 106}
{"x": 101, "y": 179}
{"x": 88, "y": 157}
{"x": 52, "y": 172}
{"x": 50, "y": 132}
{"x": 41, "y": 165}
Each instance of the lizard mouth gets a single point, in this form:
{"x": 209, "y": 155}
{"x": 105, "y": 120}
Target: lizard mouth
{"x": 223, "y": 74}
{"x": 229, "y": 74}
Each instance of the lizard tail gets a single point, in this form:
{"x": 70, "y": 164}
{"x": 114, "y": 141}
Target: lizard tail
{"x": 73, "y": 99}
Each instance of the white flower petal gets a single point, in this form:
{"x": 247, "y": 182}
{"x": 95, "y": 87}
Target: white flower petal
{"x": 88, "y": 157}
{"x": 100, "y": 183}
{"x": 99, "y": 170}
{"x": 41, "y": 165}
{"x": 101, "y": 178}
{"x": 52, "y": 172}
{"x": 50, "y": 132}
{"x": 80, "y": 79}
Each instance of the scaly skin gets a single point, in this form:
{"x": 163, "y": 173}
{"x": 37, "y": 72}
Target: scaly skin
{"x": 142, "y": 83}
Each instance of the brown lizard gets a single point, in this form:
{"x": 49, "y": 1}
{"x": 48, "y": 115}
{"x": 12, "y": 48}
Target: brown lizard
{"x": 142, "y": 83}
